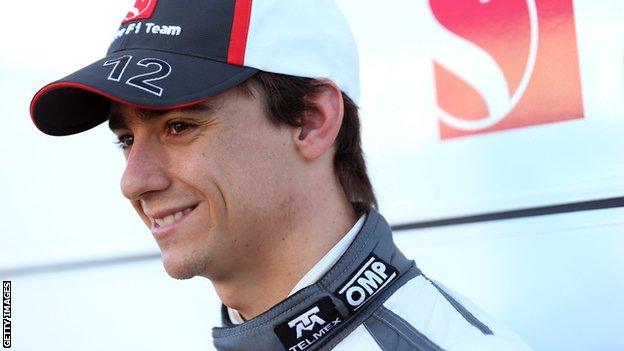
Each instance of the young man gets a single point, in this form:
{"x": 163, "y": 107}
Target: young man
{"x": 241, "y": 136}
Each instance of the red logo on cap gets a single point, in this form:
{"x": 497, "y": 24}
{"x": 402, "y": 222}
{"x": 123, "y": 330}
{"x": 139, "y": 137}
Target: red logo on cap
{"x": 142, "y": 9}
{"x": 505, "y": 64}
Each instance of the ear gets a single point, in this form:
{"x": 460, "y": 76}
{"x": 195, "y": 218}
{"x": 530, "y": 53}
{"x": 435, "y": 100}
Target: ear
{"x": 321, "y": 121}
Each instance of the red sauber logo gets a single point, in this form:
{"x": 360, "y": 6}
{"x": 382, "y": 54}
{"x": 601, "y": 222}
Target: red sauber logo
{"x": 142, "y": 9}
{"x": 505, "y": 64}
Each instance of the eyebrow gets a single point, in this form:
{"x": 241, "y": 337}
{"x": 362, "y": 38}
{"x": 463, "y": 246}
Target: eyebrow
{"x": 117, "y": 120}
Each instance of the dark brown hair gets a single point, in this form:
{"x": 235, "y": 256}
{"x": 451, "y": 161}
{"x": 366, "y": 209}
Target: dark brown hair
{"x": 285, "y": 102}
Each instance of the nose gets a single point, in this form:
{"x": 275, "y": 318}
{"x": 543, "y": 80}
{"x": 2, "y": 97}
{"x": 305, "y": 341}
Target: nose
{"x": 145, "y": 170}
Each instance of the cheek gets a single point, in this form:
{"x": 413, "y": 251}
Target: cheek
{"x": 243, "y": 171}
{"x": 260, "y": 163}
{"x": 201, "y": 172}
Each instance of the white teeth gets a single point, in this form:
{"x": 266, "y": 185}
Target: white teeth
{"x": 168, "y": 220}
{"x": 172, "y": 218}
{"x": 178, "y": 215}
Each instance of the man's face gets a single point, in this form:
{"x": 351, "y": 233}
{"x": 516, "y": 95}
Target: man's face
{"x": 212, "y": 182}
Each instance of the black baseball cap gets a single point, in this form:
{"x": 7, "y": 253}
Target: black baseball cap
{"x": 170, "y": 54}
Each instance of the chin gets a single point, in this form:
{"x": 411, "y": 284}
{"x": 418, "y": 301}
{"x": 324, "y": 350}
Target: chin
{"x": 182, "y": 267}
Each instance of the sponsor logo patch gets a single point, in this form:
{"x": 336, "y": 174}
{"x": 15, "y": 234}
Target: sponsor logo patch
{"x": 309, "y": 326}
{"x": 142, "y": 9}
{"x": 372, "y": 276}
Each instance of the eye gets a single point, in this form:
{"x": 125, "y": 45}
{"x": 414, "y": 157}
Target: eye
{"x": 124, "y": 141}
{"x": 178, "y": 127}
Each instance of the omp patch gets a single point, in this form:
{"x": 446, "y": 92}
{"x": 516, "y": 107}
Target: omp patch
{"x": 372, "y": 276}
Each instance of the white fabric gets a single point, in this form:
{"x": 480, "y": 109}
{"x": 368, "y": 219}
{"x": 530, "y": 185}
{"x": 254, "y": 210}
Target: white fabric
{"x": 235, "y": 317}
{"x": 305, "y": 38}
{"x": 430, "y": 313}
{"x": 319, "y": 269}
{"x": 421, "y": 305}
{"x": 504, "y": 339}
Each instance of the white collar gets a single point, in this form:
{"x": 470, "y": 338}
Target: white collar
{"x": 320, "y": 268}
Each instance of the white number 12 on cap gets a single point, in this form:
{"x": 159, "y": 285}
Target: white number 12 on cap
{"x": 142, "y": 81}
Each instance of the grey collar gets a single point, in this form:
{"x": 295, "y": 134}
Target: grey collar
{"x": 321, "y": 315}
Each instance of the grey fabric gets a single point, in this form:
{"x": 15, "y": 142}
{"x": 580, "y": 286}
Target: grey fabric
{"x": 393, "y": 333}
{"x": 258, "y": 333}
{"x": 463, "y": 311}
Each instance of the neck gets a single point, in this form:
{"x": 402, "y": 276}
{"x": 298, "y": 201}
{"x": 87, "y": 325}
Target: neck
{"x": 288, "y": 253}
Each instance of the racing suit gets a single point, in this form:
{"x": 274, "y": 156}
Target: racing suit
{"x": 372, "y": 298}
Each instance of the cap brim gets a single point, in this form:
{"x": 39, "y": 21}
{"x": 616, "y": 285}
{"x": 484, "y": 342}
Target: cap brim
{"x": 142, "y": 78}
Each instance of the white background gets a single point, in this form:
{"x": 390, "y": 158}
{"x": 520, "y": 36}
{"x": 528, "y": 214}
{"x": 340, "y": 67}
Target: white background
{"x": 557, "y": 280}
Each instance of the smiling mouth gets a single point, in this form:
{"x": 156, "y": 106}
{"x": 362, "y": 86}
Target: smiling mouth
{"x": 173, "y": 218}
